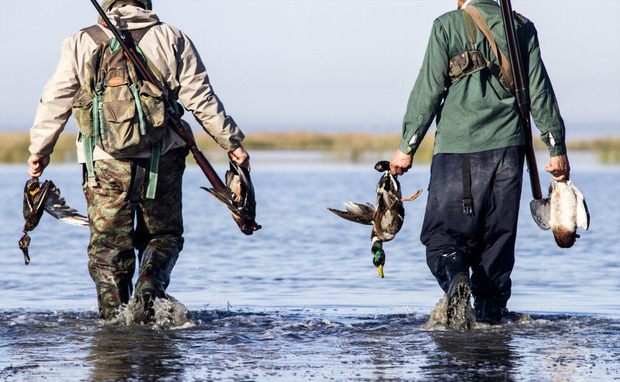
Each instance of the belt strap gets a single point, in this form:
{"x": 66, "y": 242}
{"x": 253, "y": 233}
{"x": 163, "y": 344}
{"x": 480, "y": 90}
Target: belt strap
{"x": 504, "y": 63}
{"x": 138, "y": 175}
{"x": 468, "y": 200}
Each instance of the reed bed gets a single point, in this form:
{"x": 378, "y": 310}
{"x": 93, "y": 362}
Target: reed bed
{"x": 354, "y": 147}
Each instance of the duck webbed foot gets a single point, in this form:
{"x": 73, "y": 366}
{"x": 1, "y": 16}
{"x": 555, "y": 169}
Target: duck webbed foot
{"x": 413, "y": 197}
{"x": 378, "y": 256}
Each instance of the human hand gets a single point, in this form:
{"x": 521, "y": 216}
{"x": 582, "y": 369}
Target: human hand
{"x": 559, "y": 168}
{"x": 240, "y": 156}
{"x": 400, "y": 162}
{"x": 37, "y": 164}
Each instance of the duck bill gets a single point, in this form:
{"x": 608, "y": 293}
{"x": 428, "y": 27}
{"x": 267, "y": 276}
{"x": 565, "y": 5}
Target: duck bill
{"x": 380, "y": 270}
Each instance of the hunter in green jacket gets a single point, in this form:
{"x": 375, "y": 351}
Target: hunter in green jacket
{"x": 479, "y": 153}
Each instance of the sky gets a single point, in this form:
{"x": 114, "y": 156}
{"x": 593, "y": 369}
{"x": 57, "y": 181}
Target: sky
{"x": 322, "y": 64}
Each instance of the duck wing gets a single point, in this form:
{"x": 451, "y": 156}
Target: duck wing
{"x": 390, "y": 213}
{"x": 389, "y": 221}
{"x": 239, "y": 198}
{"x": 34, "y": 197}
{"x": 583, "y": 215}
{"x": 357, "y": 213}
{"x": 58, "y": 208}
{"x": 541, "y": 212}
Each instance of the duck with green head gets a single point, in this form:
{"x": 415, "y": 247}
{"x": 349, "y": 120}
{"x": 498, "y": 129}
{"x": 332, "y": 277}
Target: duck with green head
{"x": 386, "y": 218}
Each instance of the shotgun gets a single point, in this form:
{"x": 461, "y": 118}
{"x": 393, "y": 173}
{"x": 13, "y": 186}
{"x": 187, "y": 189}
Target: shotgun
{"x": 246, "y": 223}
{"x": 521, "y": 93}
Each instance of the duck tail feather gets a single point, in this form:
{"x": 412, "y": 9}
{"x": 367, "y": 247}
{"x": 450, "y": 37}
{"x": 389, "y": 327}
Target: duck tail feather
{"x": 357, "y": 213}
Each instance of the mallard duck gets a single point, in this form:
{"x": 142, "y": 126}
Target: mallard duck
{"x": 39, "y": 197}
{"x": 238, "y": 196}
{"x": 563, "y": 211}
{"x": 386, "y": 219}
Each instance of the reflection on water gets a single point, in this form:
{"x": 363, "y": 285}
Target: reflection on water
{"x": 287, "y": 346}
{"x": 123, "y": 353}
{"x": 301, "y": 300}
{"x": 477, "y": 356}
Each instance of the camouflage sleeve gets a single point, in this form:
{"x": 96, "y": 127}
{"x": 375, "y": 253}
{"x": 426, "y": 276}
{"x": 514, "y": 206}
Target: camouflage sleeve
{"x": 54, "y": 107}
{"x": 197, "y": 96}
{"x": 545, "y": 110}
{"x": 425, "y": 99}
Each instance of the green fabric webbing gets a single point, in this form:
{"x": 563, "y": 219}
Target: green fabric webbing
{"x": 90, "y": 168}
{"x": 472, "y": 29}
{"x": 136, "y": 97}
{"x": 95, "y": 120}
{"x": 114, "y": 45}
{"x": 153, "y": 171}
{"x": 100, "y": 115}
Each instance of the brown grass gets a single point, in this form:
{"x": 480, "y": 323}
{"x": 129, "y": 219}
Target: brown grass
{"x": 345, "y": 146}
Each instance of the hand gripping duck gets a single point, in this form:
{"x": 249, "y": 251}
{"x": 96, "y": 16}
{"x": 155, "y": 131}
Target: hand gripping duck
{"x": 386, "y": 219}
{"x": 563, "y": 211}
{"x": 39, "y": 197}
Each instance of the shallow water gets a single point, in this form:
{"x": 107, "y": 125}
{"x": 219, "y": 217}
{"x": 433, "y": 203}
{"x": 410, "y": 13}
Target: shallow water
{"x": 301, "y": 300}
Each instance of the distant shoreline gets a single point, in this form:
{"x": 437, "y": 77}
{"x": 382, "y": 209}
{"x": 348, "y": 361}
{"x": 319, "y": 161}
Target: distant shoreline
{"x": 342, "y": 146}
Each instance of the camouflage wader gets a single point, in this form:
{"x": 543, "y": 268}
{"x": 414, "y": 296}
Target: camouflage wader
{"x": 157, "y": 234}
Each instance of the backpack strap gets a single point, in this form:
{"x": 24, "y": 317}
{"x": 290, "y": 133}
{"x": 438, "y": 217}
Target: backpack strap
{"x": 504, "y": 63}
{"x": 153, "y": 170}
{"x": 96, "y": 33}
{"x": 87, "y": 142}
{"x": 138, "y": 34}
{"x": 472, "y": 31}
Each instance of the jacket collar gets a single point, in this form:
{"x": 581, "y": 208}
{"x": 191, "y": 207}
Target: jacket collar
{"x": 474, "y": 2}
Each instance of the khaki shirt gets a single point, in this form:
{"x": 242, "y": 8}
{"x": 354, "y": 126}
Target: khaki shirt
{"x": 174, "y": 55}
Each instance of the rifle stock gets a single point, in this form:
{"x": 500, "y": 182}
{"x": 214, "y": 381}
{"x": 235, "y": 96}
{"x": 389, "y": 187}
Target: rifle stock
{"x": 521, "y": 93}
{"x": 173, "y": 117}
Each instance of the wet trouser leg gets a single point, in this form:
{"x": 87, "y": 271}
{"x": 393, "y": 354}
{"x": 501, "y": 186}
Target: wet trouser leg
{"x": 485, "y": 240}
{"x": 159, "y": 228}
{"x": 113, "y": 238}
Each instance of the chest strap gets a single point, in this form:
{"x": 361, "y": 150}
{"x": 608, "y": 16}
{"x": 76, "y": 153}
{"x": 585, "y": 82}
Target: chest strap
{"x": 473, "y": 61}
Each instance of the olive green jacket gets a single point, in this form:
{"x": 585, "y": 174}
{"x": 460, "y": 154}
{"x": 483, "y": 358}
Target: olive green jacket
{"x": 478, "y": 113}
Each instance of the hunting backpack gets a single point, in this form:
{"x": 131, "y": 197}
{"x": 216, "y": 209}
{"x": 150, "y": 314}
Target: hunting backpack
{"x": 117, "y": 110}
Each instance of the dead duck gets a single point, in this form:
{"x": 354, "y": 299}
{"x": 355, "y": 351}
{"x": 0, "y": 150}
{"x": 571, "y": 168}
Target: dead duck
{"x": 562, "y": 211}
{"x": 39, "y": 197}
{"x": 386, "y": 218}
{"x": 239, "y": 197}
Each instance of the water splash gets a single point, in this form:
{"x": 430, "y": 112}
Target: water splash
{"x": 168, "y": 313}
{"x": 457, "y": 316}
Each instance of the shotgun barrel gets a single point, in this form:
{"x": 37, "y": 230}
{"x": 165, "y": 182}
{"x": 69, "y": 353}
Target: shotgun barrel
{"x": 521, "y": 93}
